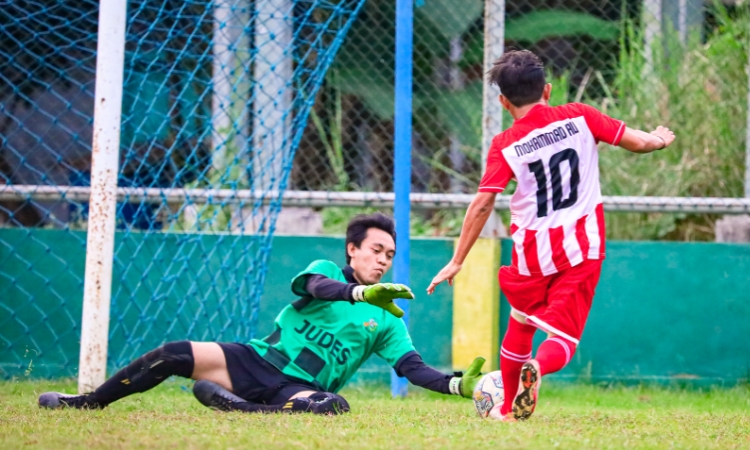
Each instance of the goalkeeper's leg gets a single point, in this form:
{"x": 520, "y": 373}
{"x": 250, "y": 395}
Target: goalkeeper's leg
{"x": 214, "y": 396}
{"x": 198, "y": 360}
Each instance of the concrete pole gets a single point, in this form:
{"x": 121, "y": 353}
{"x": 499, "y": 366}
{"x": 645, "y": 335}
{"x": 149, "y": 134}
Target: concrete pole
{"x": 223, "y": 63}
{"x": 494, "y": 46}
{"x": 272, "y": 90}
{"x": 652, "y": 18}
{"x": 456, "y": 84}
{"x": 747, "y": 132}
{"x": 97, "y": 287}
{"x": 230, "y": 81}
{"x": 682, "y": 19}
{"x": 492, "y": 111}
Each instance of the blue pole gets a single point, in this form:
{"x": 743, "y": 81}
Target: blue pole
{"x": 402, "y": 160}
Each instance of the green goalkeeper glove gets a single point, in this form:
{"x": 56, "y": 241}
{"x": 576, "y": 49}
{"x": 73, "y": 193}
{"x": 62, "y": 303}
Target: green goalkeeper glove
{"x": 382, "y": 296}
{"x": 464, "y": 386}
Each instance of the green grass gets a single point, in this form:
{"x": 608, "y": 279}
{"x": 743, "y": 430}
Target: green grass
{"x": 568, "y": 417}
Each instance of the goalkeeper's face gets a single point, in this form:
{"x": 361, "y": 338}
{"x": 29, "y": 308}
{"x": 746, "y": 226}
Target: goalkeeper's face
{"x": 374, "y": 256}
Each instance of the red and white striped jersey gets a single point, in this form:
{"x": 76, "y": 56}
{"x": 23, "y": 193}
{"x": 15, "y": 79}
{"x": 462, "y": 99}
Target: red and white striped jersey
{"x": 557, "y": 220}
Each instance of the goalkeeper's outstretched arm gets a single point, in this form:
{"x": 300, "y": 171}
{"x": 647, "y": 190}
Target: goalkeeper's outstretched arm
{"x": 380, "y": 294}
{"x": 420, "y": 374}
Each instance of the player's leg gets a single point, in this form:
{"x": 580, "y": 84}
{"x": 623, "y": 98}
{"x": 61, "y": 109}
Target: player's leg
{"x": 257, "y": 386}
{"x": 569, "y": 298}
{"x": 322, "y": 402}
{"x": 524, "y": 294}
{"x": 302, "y": 401}
{"x": 146, "y": 372}
{"x": 182, "y": 358}
{"x": 211, "y": 364}
{"x": 569, "y": 301}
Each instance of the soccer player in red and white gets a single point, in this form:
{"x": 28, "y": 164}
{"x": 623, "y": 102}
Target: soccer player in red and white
{"x": 557, "y": 221}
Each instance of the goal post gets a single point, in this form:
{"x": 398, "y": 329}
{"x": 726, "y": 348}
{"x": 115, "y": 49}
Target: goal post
{"x": 100, "y": 240}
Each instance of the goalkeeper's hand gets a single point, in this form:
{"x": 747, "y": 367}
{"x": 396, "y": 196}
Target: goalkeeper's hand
{"x": 382, "y": 296}
{"x": 464, "y": 386}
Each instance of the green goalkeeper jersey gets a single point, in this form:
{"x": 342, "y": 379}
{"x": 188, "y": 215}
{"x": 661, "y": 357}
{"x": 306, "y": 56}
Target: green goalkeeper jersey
{"x": 324, "y": 342}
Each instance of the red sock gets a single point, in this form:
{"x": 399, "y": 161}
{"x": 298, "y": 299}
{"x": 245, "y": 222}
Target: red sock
{"x": 554, "y": 354}
{"x": 515, "y": 351}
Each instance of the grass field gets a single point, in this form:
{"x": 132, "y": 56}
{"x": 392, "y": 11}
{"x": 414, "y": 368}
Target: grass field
{"x": 568, "y": 417}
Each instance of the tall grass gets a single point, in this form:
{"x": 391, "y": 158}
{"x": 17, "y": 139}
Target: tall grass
{"x": 699, "y": 90}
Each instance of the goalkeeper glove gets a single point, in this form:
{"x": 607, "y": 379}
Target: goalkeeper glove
{"x": 464, "y": 386}
{"x": 382, "y": 296}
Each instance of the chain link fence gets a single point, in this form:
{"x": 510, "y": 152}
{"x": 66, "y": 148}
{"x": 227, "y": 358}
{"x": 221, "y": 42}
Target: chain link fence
{"x": 215, "y": 95}
{"x": 681, "y": 64}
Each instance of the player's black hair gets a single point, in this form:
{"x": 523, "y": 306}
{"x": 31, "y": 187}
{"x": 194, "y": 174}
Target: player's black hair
{"x": 520, "y": 76}
{"x": 356, "y": 231}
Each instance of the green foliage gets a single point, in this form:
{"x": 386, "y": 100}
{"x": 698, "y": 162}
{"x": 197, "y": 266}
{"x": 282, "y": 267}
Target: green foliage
{"x": 568, "y": 416}
{"x": 461, "y": 112}
{"x": 374, "y": 88}
{"x": 332, "y": 140}
{"x": 697, "y": 89}
{"x": 444, "y": 222}
{"x": 451, "y": 18}
{"x": 538, "y": 25}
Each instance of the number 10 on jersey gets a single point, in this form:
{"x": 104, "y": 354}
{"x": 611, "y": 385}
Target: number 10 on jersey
{"x": 558, "y": 203}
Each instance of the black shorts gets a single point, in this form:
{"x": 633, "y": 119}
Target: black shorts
{"x": 256, "y": 380}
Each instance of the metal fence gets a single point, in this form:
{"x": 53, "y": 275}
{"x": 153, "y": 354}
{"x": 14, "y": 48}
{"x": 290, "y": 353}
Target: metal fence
{"x": 678, "y": 63}
{"x": 660, "y": 62}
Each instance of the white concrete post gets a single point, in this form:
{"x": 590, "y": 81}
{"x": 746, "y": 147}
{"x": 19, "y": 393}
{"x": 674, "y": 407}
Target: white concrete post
{"x": 492, "y": 110}
{"x": 230, "y": 81}
{"x": 652, "y": 18}
{"x": 456, "y": 84}
{"x": 272, "y": 90}
{"x": 682, "y": 15}
{"x": 97, "y": 287}
{"x": 494, "y": 46}
{"x": 223, "y": 62}
{"x": 747, "y": 132}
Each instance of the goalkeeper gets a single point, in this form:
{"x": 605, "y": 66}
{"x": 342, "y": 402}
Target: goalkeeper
{"x": 319, "y": 341}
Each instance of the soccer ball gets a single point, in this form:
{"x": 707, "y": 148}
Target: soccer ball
{"x": 488, "y": 392}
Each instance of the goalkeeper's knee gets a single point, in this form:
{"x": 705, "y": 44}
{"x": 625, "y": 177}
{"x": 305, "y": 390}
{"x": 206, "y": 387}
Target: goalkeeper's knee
{"x": 172, "y": 358}
{"x": 329, "y": 403}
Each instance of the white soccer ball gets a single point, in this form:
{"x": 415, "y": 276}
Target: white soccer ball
{"x": 488, "y": 392}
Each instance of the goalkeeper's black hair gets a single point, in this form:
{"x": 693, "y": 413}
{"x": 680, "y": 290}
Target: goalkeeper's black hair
{"x": 520, "y": 76}
{"x": 356, "y": 231}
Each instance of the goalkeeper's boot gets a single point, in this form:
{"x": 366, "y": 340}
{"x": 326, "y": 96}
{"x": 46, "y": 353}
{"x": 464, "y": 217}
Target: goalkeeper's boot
{"x": 528, "y": 392}
{"x": 57, "y": 400}
{"x": 216, "y": 397}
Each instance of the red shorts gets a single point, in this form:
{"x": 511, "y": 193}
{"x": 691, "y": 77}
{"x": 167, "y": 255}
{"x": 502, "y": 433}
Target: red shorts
{"x": 557, "y": 303}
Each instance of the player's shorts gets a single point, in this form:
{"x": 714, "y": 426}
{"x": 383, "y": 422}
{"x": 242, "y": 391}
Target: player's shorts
{"x": 256, "y": 380}
{"x": 557, "y": 303}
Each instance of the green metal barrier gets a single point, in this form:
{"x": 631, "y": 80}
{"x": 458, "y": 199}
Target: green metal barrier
{"x": 40, "y": 297}
{"x": 664, "y": 312}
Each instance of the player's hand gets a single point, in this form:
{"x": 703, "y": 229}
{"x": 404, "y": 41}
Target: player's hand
{"x": 448, "y": 273}
{"x": 664, "y": 134}
{"x": 382, "y": 296}
{"x": 471, "y": 377}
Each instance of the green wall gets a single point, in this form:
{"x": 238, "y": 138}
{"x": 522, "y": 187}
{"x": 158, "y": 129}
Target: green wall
{"x": 667, "y": 312}
{"x": 663, "y": 311}
{"x": 160, "y": 277}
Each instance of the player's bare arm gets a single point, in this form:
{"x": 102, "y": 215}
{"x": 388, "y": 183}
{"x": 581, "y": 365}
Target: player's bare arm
{"x": 476, "y": 217}
{"x": 638, "y": 141}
